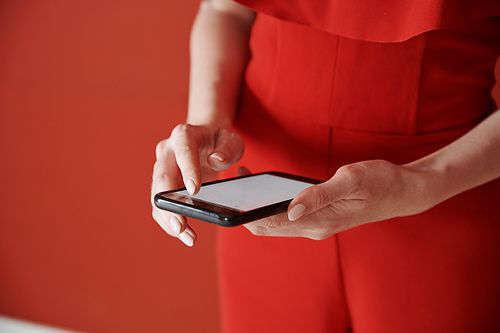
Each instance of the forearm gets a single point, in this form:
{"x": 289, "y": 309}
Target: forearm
{"x": 470, "y": 161}
{"x": 219, "y": 54}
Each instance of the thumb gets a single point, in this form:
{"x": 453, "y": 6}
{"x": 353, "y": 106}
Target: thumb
{"x": 228, "y": 150}
{"x": 317, "y": 197}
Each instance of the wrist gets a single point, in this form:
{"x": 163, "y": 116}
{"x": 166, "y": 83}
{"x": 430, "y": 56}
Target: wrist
{"x": 210, "y": 120}
{"x": 428, "y": 185}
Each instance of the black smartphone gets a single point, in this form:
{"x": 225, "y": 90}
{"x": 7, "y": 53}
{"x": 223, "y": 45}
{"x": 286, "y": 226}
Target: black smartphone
{"x": 234, "y": 201}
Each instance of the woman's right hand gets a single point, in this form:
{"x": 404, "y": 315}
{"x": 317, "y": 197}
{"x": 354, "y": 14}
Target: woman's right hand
{"x": 190, "y": 156}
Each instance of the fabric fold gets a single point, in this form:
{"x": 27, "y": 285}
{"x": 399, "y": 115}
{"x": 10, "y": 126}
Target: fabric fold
{"x": 377, "y": 21}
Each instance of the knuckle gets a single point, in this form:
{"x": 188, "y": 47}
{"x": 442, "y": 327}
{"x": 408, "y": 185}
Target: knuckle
{"x": 317, "y": 236}
{"x": 256, "y": 230}
{"x": 353, "y": 175}
{"x": 272, "y": 222}
{"x": 321, "y": 196}
{"x": 323, "y": 232}
{"x": 351, "y": 171}
{"x": 265, "y": 227}
{"x": 159, "y": 179}
{"x": 181, "y": 128}
{"x": 182, "y": 134}
{"x": 161, "y": 147}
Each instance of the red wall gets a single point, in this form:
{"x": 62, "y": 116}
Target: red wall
{"x": 87, "y": 89}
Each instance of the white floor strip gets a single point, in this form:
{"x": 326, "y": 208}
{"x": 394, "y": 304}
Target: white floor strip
{"x": 10, "y": 325}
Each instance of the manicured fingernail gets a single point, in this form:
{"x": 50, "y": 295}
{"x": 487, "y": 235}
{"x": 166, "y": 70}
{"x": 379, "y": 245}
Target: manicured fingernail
{"x": 297, "y": 212}
{"x": 190, "y": 186}
{"x": 186, "y": 239}
{"x": 175, "y": 224}
{"x": 220, "y": 156}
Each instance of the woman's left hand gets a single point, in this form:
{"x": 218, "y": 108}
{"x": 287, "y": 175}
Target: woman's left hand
{"x": 357, "y": 194}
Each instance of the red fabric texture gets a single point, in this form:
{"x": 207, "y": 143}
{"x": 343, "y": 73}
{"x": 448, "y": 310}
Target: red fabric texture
{"x": 314, "y": 101}
{"x": 381, "y": 20}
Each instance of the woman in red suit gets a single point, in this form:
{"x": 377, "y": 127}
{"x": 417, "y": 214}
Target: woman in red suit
{"x": 388, "y": 102}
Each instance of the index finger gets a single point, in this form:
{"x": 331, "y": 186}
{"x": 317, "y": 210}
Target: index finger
{"x": 185, "y": 142}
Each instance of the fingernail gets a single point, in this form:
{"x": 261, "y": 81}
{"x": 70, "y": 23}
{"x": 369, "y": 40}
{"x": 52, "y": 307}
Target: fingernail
{"x": 190, "y": 186}
{"x": 186, "y": 239}
{"x": 297, "y": 212}
{"x": 220, "y": 156}
{"x": 175, "y": 224}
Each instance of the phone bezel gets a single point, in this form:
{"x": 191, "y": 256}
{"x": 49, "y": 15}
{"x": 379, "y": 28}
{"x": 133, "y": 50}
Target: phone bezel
{"x": 217, "y": 214}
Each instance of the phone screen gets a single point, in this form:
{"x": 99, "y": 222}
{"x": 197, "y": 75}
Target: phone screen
{"x": 250, "y": 193}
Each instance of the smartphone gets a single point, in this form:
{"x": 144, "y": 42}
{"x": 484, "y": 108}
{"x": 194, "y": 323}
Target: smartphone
{"x": 234, "y": 201}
